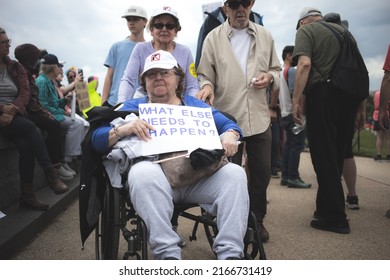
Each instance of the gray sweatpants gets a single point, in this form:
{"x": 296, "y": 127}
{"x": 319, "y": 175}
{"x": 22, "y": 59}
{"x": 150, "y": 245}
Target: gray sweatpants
{"x": 224, "y": 194}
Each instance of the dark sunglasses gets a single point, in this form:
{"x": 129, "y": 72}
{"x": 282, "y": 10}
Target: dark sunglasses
{"x": 234, "y": 5}
{"x": 169, "y": 26}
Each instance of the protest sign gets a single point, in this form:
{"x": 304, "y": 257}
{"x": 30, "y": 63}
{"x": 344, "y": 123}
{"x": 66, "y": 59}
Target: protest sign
{"x": 178, "y": 128}
{"x": 81, "y": 89}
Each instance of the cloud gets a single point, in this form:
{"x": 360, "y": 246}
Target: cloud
{"x": 81, "y": 32}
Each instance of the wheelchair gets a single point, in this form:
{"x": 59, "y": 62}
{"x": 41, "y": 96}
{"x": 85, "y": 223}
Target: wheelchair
{"x": 118, "y": 217}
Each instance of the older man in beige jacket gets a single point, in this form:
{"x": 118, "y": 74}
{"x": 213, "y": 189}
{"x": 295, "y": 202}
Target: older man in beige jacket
{"x": 238, "y": 64}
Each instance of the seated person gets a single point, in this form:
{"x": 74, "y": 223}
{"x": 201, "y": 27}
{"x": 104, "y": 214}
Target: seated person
{"x": 48, "y": 96}
{"x": 28, "y": 55}
{"x": 223, "y": 194}
{"x": 18, "y": 128}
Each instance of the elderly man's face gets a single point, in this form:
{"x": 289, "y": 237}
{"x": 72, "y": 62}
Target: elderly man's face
{"x": 238, "y": 12}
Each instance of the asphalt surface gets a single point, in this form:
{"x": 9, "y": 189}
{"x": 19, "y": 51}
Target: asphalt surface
{"x": 288, "y": 221}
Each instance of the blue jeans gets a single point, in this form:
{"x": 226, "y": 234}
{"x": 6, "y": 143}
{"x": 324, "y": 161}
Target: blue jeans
{"x": 292, "y": 149}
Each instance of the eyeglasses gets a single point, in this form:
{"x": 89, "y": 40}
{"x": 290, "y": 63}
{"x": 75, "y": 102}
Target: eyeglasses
{"x": 234, "y": 5}
{"x": 169, "y": 26}
{"x": 165, "y": 73}
{"x": 6, "y": 42}
{"x": 71, "y": 77}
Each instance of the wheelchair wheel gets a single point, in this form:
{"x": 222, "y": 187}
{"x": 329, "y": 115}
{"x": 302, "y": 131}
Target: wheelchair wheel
{"x": 210, "y": 228}
{"x": 107, "y": 232}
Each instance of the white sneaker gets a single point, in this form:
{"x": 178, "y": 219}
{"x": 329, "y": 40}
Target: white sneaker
{"x": 64, "y": 174}
{"x": 67, "y": 167}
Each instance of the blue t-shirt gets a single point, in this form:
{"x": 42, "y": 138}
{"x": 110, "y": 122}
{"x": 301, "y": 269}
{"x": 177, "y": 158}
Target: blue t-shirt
{"x": 117, "y": 59}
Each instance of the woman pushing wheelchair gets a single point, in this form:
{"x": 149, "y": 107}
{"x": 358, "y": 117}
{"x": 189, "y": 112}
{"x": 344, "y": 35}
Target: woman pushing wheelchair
{"x": 223, "y": 193}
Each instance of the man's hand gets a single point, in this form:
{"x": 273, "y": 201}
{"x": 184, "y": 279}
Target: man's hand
{"x": 263, "y": 80}
{"x": 297, "y": 113}
{"x": 206, "y": 94}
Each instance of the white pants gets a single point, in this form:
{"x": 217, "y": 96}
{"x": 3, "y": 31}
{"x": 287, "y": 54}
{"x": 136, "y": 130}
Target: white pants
{"x": 74, "y": 136}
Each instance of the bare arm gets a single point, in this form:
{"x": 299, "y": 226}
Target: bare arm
{"x": 360, "y": 115}
{"x": 107, "y": 84}
{"x": 301, "y": 76}
{"x": 138, "y": 127}
{"x": 66, "y": 89}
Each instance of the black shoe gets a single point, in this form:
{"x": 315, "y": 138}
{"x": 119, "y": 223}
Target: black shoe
{"x": 283, "y": 182}
{"x": 387, "y": 214}
{"x": 378, "y": 158}
{"x": 317, "y": 216}
{"x": 275, "y": 174}
{"x": 342, "y": 227}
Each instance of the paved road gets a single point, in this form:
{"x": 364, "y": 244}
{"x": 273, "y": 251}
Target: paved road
{"x": 288, "y": 221}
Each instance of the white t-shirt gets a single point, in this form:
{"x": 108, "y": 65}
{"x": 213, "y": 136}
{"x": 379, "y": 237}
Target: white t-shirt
{"x": 240, "y": 42}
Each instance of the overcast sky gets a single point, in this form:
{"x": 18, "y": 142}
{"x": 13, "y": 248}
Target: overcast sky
{"x": 81, "y": 32}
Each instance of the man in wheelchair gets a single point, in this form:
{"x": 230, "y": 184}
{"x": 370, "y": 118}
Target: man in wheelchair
{"x": 223, "y": 194}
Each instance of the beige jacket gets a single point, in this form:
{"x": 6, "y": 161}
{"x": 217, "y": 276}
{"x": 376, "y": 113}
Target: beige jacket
{"x": 219, "y": 68}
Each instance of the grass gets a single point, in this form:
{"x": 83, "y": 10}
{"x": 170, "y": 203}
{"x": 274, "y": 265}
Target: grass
{"x": 364, "y": 144}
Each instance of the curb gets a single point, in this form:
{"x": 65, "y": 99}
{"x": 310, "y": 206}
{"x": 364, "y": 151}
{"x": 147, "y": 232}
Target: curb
{"x": 20, "y": 226}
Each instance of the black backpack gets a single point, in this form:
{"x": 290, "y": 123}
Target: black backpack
{"x": 349, "y": 72}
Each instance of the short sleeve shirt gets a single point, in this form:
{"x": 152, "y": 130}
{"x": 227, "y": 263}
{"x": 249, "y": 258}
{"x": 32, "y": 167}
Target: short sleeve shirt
{"x": 321, "y": 46}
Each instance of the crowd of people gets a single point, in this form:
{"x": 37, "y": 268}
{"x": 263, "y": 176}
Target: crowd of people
{"x": 37, "y": 116}
{"x": 237, "y": 73}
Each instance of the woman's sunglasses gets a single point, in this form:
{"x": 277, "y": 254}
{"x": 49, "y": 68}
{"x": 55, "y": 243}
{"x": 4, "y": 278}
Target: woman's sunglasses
{"x": 169, "y": 26}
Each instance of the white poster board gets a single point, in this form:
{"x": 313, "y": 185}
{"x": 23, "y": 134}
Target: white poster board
{"x": 178, "y": 128}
